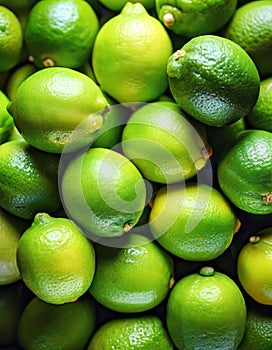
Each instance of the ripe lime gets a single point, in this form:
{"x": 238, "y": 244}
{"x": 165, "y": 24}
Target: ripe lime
{"x": 137, "y": 333}
{"x": 254, "y": 267}
{"x": 206, "y": 310}
{"x": 189, "y": 19}
{"x": 28, "y": 180}
{"x": 117, "y": 5}
{"x": 162, "y": 142}
{"x": 77, "y": 109}
{"x": 103, "y": 192}
{"x": 213, "y": 79}
{"x": 47, "y": 326}
{"x": 251, "y": 28}
{"x": 244, "y": 171}
{"x": 11, "y": 231}
{"x": 130, "y": 54}
{"x": 132, "y": 279}
{"x": 55, "y": 259}
{"x": 61, "y": 33}
{"x": 6, "y": 121}
{"x": 260, "y": 116}
{"x": 11, "y": 39}
{"x": 193, "y": 222}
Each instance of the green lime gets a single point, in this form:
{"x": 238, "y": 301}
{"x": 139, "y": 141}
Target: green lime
{"x": 61, "y": 33}
{"x": 137, "y": 333}
{"x": 206, "y": 310}
{"x": 117, "y": 5}
{"x": 244, "y": 172}
{"x": 46, "y": 326}
{"x": 213, "y": 79}
{"x": 77, "y": 109}
{"x": 6, "y": 121}
{"x": 55, "y": 259}
{"x": 132, "y": 279}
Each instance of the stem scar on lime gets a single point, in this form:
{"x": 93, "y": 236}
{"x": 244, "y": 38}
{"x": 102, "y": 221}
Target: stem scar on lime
{"x": 268, "y": 197}
{"x": 207, "y": 271}
{"x": 254, "y": 239}
{"x": 168, "y": 19}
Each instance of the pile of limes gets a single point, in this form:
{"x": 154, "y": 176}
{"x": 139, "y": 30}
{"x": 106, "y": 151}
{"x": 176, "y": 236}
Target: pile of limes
{"x": 135, "y": 175}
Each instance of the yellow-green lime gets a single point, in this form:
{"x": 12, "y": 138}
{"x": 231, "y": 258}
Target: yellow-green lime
{"x": 260, "y": 116}
{"x": 6, "y": 121}
{"x": 213, "y": 79}
{"x": 254, "y": 267}
{"x": 47, "y": 326}
{"x": 77, "y": 109}
{"x": 189, "y": 19}
{"x": 28, "y": 180}
{"x": 137, "y": 333}
{"x": 117, "y": 5}
{"x": 163, "y": 143}
{"x": 61, "y": 33}
{"x": 206, "y": 310}
{"x": 103, "y": 192}
{"x": 11, "y": 39}
{"x": 193, "y": 221}
{"x": 11, "y": 228}
{"x": 132, "y": 279}
{"x": 251, "y": 28}
{"x": 244, "y": 171}
{"x": 55, "y": 259}
{"x": 130, "y": 54}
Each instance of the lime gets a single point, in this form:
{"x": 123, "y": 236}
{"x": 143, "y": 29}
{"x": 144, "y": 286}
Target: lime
{"x": 28, "y": 180}
{"x": 137, "y": 333}
{"x": 55, "y": 259}
{"x": 130, "y": 54}
{"x": 103, "y": 192}
{"x": 61, "y": 33}
{"x": 162, "y": 142}
{"x": 77, "y": 109}
{"x": 189, "y": 19}
{"x": 132, "y": 279}
{"x": 244, "y": 172}
{"x": 254, "y": 267}
{"x": 47, "y": 326}
{"x": 6, "y": 121}
{"x": 206, "y": 310}
{"x": 11, "y": 39}
{"x": 117, "y": 5}
{"x": 213, "y": 79}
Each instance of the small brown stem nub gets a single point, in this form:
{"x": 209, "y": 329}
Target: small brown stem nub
{"x": 268, "y": 197}
{"x": 48, "y": 62}
{"x": 207, "y": 152}
{"x": 237, "y": 226}
{"x": 127, "y": 227}
{"x": 168, "y": 19}
{"x": 171, "y": 282}
{"x": 178, "y": 54}
{"x": 254, "y": 239}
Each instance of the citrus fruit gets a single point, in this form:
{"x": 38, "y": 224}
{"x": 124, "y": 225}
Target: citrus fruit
{"x": 213, "y": 79}
{"x": 55, "y": 259}
{"x": 254, "y": 267}
{"x": 47, "y": 326}
{"x": 117, "y": 5}
{"x": 17, "y": 76}
{"x": 132, "y": 279}
{"x": 194, "y": 221}
{"x": 130, "y": 54}
{"x": 11, "y": 39}
{"x": 11, "y": 231}
{"x": 138, "y": 333}
{"x": 103, "y": 192}
{"x": 28, "y": 180}
{"x": 77, "y": 109}
{"x": 160, "y": 140}
{"x": 260, "y": 116}
{"x": 251, "y": 28}
{"x": 61, "y": 33}
{"x": 244, "y": 172}
{"x": 190, "y": 19}
{"x": 258, "y": 334}
{"x": 6, "y": 121}
{"x": 206, "y": 310}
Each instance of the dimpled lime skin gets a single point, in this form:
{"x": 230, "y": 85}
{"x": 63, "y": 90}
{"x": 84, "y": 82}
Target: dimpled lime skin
{"x": 28, "y": 180}
{"x": 206, "y": 312}
{"x": 141, "y": 333}
{"x": 63, "y": 31}
{"x": 213, "y": 79}
{"x": 132, "y": 279}
{"x": 55, "y": 259}
{"x": 244, "y": 171}
{"x": 103, "y": 192}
